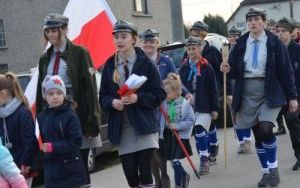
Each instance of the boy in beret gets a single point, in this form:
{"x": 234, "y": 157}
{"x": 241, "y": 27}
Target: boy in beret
{"x": 285, "y": 29}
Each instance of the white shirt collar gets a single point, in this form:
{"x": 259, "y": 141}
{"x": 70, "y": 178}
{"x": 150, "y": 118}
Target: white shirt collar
{"x": 262, "y": 37}
{"x": 131, "y": 59}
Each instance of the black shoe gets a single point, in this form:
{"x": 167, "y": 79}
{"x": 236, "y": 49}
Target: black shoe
{"x": 264, "y": 181}
{"x": 274, "y": 178}
{"x": 186, "y": 181}
{"x": 280, "y": 131}
{"x": 213, "y": 154}
{"x": 296, "y": 166}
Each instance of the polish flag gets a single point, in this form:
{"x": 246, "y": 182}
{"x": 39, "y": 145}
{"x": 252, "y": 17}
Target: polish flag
{"x": 90, "y": 25}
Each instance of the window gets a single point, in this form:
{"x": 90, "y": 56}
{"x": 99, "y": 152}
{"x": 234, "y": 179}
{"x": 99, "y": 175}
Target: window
{"x": 140, "y": 6}
{"x": 2, "y": 35}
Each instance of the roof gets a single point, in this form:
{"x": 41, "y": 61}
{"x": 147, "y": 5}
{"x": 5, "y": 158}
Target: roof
{"x": 254, "y": 2}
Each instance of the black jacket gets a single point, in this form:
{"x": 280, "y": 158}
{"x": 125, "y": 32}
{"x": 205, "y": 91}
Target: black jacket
{"x": 206, "y": 93}
{"x": 214, "y": 57}
{"x": 294, "y": 53}
{"x": 141, "y": 114}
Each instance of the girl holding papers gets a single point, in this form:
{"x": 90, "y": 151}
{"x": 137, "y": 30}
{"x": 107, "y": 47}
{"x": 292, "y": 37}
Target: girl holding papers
{"x": 132, "y": 124}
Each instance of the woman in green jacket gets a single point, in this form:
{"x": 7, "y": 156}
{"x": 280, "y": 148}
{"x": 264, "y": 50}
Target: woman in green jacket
{"x": 74, "y": 65}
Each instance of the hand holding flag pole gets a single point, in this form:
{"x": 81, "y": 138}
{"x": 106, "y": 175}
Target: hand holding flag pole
{"x": 166, "y": 116}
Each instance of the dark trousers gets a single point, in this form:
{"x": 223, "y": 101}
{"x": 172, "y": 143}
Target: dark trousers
{"x": 85, "y": 155}
{"x": 159, "y": 171}
{"x": 137, "y": 167}
{"x": 293, "y": 124}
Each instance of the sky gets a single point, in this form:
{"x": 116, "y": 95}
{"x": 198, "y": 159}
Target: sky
{"x": 194, "y": 10}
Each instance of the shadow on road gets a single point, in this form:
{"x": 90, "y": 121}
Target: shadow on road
{"x": 106, "y": 160}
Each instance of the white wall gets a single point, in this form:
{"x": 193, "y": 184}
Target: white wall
{"x": 274, "y": 11}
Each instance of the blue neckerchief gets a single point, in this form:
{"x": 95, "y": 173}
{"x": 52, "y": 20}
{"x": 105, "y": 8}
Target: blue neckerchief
{"x": 193, "y": 71}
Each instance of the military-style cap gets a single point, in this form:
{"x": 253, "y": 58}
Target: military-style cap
{"x": 54, "y": 20}
{"x": 149, "y": 34}
{"x": 271, "y": 22}
{"x": 124, "y": 26}
{"x": 198, "y": 25}
{"x": 234, "y": 31}
{"x": 253, "y": 11}
{"x": 287, "y": 23}
{"x": 192, "y": 41}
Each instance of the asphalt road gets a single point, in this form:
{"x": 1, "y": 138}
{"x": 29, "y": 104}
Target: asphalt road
{"x": 242, "y": 171}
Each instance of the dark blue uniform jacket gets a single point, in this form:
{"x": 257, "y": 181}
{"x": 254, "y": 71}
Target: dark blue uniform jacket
{"x": 280, "y": 82}
{"x": 142, "y": 115}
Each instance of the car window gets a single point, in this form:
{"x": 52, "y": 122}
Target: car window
{"x": 176, "y": 55}
{"x": 24, "y": 80}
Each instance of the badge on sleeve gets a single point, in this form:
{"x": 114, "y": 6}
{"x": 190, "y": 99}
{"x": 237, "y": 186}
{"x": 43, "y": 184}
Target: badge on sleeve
{"x": 92, "y": 70}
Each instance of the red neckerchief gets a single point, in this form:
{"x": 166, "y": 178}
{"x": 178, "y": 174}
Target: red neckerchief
{"x": 202, "y": 61}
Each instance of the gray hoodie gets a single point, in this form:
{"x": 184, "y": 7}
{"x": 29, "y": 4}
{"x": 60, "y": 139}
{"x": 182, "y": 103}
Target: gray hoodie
{"x": 185, "y": 118}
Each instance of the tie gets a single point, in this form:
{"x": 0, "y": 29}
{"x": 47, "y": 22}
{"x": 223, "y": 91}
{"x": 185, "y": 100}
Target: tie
{"x": 255, "y": 54}
{"x": 126, "y": 70}
{"x": 193, "y": 71}
{"x": 56, "y": 63}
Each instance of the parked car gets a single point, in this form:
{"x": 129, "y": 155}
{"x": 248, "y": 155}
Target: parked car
{"x": 24, "y": 79}
{"x": 176, "y": 50}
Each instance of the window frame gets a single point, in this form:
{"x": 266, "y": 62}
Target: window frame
{"x": 3, "y": 40}
{"x": 144, "y": 6}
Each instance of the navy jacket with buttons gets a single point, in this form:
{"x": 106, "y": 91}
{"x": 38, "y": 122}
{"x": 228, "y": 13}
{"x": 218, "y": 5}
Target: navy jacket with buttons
{"x": 206, "y": 93}
{"x": 165, "y": 67}
{"x": 294, "y": 53}
{"x": 280, "y": 82}
{"x": 214, "y": 57}
{"x": 142, "y": 114}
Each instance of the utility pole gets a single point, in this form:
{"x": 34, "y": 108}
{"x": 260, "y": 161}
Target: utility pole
{"x": 291, "y": 8}
{"x": 177, "y": 20}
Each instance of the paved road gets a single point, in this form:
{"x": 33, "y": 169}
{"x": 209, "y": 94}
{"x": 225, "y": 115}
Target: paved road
{"x": 243, "y": 171}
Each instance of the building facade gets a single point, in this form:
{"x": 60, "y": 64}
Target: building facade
{"x": 21, "y": 25}
{"x": 275, "y": 9}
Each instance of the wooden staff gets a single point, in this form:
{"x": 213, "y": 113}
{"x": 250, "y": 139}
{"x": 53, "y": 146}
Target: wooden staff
{"x": 225, "y": 57}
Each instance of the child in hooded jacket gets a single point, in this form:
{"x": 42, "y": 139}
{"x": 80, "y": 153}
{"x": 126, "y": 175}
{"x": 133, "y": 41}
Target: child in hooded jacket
{"x": 61, "y": 136}
{"x": 10, "y": 174}
{"x": 182, "y": 119}
{"x": 16, "y": 126}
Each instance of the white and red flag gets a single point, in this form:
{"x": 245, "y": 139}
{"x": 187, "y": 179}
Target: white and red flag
{"x": 90, "y": 25}
{"x": 133, "y": 83}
